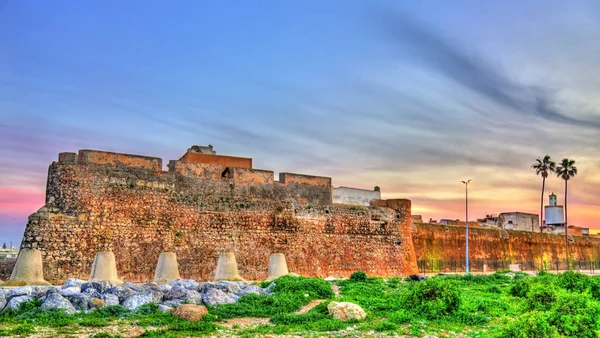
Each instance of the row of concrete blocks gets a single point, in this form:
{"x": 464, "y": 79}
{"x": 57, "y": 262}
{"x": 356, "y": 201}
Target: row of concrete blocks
{"x": 28, "y": 269}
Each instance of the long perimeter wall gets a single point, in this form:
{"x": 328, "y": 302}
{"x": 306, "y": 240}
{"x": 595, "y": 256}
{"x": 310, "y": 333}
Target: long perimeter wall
{"x": 447, "y": 243}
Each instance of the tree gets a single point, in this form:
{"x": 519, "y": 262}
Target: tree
{"x": 543, "y": 166}
{"x": 566, "y": 170}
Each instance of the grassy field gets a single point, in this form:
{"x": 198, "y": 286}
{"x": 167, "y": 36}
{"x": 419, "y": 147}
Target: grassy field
{"x": 497, "y": 305}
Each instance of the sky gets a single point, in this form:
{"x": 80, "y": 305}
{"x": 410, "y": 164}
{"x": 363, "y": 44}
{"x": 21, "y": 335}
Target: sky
{"x": 411, "y": 96}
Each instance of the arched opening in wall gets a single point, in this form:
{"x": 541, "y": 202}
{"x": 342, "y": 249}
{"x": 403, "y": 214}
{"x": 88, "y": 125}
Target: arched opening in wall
{"x": 227, "y": 173}
{"x": 447, "y": 229}
{"x": 327, "y": 211}
{"x": 398, "y": 216}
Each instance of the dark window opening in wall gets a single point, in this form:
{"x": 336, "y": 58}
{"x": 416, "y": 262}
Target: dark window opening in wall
{"x": 510, "y": 222}
{"x": 227, "y": 173}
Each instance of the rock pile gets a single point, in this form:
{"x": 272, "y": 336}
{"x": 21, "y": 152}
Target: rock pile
{"x": 77, "y": 295}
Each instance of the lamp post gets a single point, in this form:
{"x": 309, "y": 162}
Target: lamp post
{"x": 466, "y": 183}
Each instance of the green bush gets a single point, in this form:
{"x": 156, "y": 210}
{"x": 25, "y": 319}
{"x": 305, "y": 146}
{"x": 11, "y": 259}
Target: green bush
{"x": 575, "y": 315}
{"x": 573, "y": 281}
{"x": 358, "y": 276}
{"x": 541, "y": 296}
{"x": 433, "y": 298}
{"x": 520, "y": 288}
{"x": 394, "y": 282}
{"x": 494, "y": 289}
{"x": 529, "y": 325}
{"x": 315, "y": 287}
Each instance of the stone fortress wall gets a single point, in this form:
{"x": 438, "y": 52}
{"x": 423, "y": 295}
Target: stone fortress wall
{"x": 204, "y": 205}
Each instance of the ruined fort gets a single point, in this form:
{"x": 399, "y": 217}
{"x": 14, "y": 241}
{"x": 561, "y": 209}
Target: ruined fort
{"x": 207, "y": 204}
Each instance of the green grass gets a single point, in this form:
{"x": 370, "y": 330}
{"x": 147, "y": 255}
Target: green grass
{"x": 495, "y": 305}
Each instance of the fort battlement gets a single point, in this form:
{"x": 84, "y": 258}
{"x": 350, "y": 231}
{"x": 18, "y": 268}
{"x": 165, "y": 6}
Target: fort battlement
{"x": 203, "y": 205}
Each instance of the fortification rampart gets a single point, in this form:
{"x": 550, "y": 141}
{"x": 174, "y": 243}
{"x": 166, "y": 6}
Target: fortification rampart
{"x": 447, "y": 243}
{"x": 98, "y": 201}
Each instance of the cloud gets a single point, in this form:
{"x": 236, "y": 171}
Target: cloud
{"x": 412, "y": 39}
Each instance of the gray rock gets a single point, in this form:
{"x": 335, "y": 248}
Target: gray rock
{"x": 110, "y": 299}
{"x": 193, "y": 297}
{"x": 15, "y": 302}
{"x": 177, "y": 292}
{"x": 39, "y": 291}
{"x": 20, "y": 291}
{"x": 250, "y": 289}
{"x": 2, "y": 301}
{"x": 269, "y": 289}
{"x": 157, "y": 296}
{"x": 133, "y": 286}
{"x": 137, "y": 300}
{"x": 214, "y": 297}
{"x": 70, "y": 291}
{"x": 120, "y": 291}
{"x": 172, "y": 303}
{"x": 164, "y": 288}
{"x": 101, "y": 286}
{"x": 4, "y": 291}
{"x": 92, "y": 293}
{"x": 189, "y": 284}
{"x": 231, "y": 287}
{"x": 204, "y": 287}
{"x": 79, "y": 301}
{"x": 56, "y": 301}
{"x": 73, "y": 282}
{"x": 164, "y": 308}
{"x": 234, "y": 296}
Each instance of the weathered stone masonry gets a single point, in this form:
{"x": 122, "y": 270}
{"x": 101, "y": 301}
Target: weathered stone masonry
{"x": 199, "y": 208}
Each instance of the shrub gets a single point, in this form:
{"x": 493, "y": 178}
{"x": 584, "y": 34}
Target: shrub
{"x": 520, "y": 288}
{"x": 530, "y": 325}
{"x": 575, "y": 315}
{"x": 573, "y": 281}
{"x": 494, "y": 289}
{"x": 358, "y": 276}
{"x": 433, "y": 298}
{"x": 385, "y": 326}
{"x": 541, "y": 296}
{"x": 316, "y": 287}
{"x": 394, "y": 282}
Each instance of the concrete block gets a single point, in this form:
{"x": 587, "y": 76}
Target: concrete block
{"x": 277, "y": 266}
{"x": 105, "y": 268}
{"x": 167, "y": 268}
{"x": 227, "y": 268}
{"x": 28, "y": 269}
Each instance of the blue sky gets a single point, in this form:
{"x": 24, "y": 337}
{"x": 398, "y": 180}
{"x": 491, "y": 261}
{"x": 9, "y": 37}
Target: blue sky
{"x": 410, "y": 96}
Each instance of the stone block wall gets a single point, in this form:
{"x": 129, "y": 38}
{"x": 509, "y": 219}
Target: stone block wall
{"x": 138, "y": 213}
{"x": 441, "y": 242}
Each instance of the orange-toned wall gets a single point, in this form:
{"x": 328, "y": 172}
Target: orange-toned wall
{"x": 224, "y": 161}
{"x": 288, "y": 178}
{"x": 104, "y": 157}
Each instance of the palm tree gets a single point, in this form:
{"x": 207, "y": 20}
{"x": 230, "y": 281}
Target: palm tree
{"x": 566, "y": 170}
{"x": 542, "y": 167}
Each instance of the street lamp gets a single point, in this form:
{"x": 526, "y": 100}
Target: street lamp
{"x": 466, "y": 183}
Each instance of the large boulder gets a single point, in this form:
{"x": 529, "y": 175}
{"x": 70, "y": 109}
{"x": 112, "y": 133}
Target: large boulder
{"x": 134, "y": 301}
{"x": 120, "y": 291}
{"x": 79, "y": 301}
{"x": 55, "y": 301}
{"x": 189, "y": 284}
{"x": 15, "y": 302}
{"x": 179, "y": 293}
{"x": 2, "y": 301}
{"x": 133, "y": 286}
{"x": 110, "y": 299}
{"x": 92, "y": 293}
{"x": 190, "y": 312}
{"x": 73, "y": 282}
{"x": 70, "y": 291}
{"x": 214, "y": 297}
{"x": 345, "y": 311}
{"x": 99, "y": 286}
{"x": 20, "y": 291}
{"x": 250, "y": 289}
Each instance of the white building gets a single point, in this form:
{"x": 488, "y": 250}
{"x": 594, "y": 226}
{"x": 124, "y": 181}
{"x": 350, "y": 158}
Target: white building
{"x": 554, "y": 212}
{"x": 355, "y": 196}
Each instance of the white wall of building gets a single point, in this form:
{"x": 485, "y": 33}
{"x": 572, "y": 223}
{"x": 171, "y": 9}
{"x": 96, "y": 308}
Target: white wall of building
{"x": 354, "y": 196}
